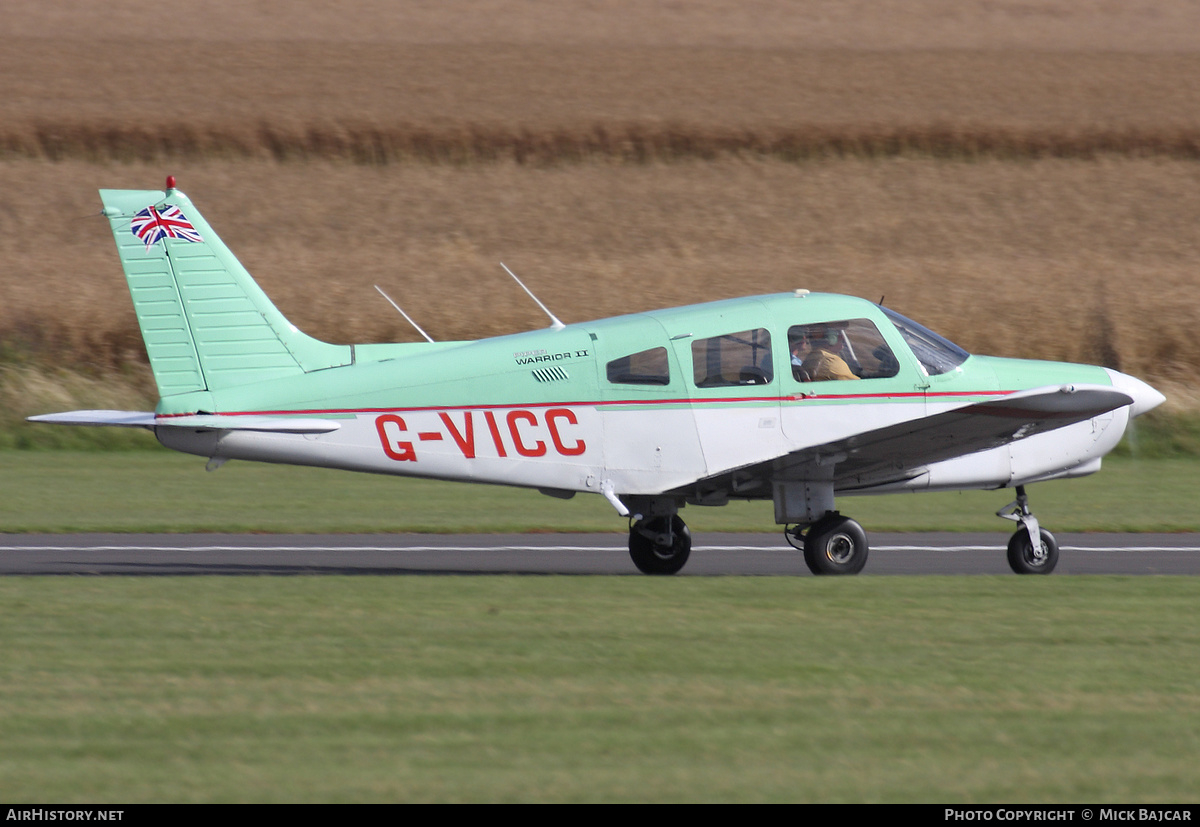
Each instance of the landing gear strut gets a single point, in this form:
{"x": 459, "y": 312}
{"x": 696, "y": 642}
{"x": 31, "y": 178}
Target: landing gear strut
{"x": 833, "y": 545}
{"x": 660, "y": 545}
{"x": 1032, "y": 549}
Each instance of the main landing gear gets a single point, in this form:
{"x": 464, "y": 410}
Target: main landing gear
{"x": 660, "y": 545}
{"x": 1032, "y": 549}
{"x": 832, "y": 545}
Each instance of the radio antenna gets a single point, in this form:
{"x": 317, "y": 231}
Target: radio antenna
{"x": 407, "y": 318}
{"x": 555, "y": 323}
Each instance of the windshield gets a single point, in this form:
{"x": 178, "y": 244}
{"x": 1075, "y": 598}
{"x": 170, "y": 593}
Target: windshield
{"x": 935, "y": 353}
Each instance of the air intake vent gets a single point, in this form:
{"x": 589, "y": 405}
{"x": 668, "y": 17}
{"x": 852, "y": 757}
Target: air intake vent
{"x": 550, "y": 375}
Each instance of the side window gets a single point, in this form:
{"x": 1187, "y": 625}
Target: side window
{"x": 648, "y": 367}
{"x": 733, "y": 359}
{"x": 840, "y": 350}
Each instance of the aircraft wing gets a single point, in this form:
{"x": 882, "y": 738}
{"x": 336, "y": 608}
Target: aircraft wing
{"x": 147, "y": 419}
{"x": 899, "y": 452}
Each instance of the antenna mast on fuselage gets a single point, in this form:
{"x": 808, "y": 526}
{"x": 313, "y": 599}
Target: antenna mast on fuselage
{"x": 555, "y": 323}
{"x": 407, "y": 318}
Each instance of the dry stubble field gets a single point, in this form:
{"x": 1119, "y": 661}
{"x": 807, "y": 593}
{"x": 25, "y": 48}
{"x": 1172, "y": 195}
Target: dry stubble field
{"x": 1024, "y": 177}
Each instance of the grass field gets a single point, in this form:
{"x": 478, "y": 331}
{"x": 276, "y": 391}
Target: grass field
{"x": 159, "y": 491}
{"x": 519, "y": 689}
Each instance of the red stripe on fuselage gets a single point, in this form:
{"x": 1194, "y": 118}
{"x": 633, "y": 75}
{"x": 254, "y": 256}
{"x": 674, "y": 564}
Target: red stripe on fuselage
{"x": 607, "y": 403}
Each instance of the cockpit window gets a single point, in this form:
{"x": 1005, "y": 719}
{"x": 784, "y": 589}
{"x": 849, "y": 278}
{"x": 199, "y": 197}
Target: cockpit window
{"x": 742, "y": 358}
{"x": 935, "y": 353}
{"x": 648, "y": 367}
{"x": 851, "y": 349}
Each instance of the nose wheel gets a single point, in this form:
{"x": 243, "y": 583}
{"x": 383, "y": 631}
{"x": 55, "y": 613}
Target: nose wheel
{"x": 1032, "y": 549}
{"x": 1026, "y": 558}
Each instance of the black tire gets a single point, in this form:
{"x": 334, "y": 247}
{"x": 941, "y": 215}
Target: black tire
{"x": 1021, "y": 558}
{"x": 835, "y": 545}
{"x": 651, "y": 558}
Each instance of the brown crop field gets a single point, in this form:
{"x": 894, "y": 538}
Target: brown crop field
{"x": 1023, "y": 177}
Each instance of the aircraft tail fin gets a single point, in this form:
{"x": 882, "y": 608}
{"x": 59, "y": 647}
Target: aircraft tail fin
{"x": 206, "y": 323}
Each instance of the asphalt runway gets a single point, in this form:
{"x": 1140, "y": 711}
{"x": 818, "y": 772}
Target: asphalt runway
{"x": 563, "y": 554}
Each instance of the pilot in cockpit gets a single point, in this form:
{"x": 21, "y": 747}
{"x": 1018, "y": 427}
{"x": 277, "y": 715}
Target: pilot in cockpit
{"x": 815, "y": 355}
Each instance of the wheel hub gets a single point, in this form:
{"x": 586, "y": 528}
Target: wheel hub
{"x": 663, "y": 552}
{"x": 835, "y": 545}
{"x": 840, "y": 548}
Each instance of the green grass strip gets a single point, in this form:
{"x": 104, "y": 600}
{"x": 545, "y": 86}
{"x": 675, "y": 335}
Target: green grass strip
{"x": 341, "y": 689}
{"x": 159, "y": 491}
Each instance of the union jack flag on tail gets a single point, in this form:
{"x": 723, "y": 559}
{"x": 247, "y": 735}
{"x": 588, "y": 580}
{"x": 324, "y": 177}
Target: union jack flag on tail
{"x": 152, "y": 224}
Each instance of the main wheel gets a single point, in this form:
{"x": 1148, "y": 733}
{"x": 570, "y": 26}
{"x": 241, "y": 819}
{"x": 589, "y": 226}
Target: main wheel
{"x": 1023, "y": 559}
{"x": 835, "y": 545}
{"x": 654, "y": 558}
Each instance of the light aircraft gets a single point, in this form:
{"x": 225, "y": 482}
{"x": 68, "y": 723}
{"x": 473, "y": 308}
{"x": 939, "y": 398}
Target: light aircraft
{"x": 795, "y": 398}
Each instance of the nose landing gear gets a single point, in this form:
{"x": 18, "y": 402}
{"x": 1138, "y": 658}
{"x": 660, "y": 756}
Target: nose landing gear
{"x": 1032, "y": 549}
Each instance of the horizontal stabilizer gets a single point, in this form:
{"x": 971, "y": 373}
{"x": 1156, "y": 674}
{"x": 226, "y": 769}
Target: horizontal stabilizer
{"x": 146, "y": 419}
{"x": 119, "y": 419}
